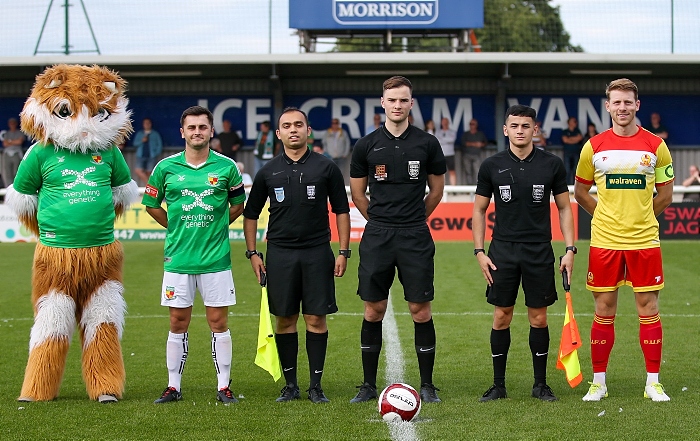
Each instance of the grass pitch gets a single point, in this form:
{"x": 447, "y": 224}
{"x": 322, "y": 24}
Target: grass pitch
{"x": 462, "y": 372}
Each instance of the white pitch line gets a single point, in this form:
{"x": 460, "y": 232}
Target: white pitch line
{"x": 393, "y": 373}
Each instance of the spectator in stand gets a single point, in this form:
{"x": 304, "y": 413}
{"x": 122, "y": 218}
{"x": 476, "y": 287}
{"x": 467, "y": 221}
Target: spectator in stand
{"x": 149, "y": 146}
{"x": 12, "y": 153}
{"x": 266, "y": 145}
{"x": 656, "y": 127}
{"x": 591, "y": 131}
{"x": 692, "y": 181}
{"x": 375, "y": 125}
{"x": 247, "y": 180}
{"x": 539, "y": 139}
{"x": 318, "y": 148}
{"x": 229, "y": 140}
{"x": 447, "y": 138}
{"x": 571, "y": 138}
{"x": 336, "y": 142}
{"x": 472, "y": 146}
{"x": 430, "y": 127}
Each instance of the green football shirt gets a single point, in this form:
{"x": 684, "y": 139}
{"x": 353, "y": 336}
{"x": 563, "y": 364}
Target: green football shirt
{"x": 75, "y": 193}
{"x": 197, "y": 200}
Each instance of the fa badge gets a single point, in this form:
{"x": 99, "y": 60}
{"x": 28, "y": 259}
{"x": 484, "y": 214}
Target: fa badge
{"x": 213, "y": 179}
{"x": 279, "y": 194}
{"x": 413, "y": 169}
{"x": 537, "y": 192}
{"x": 310, "y": 192}
{"x": 380, "y": 172}
{"x": 505, "y": 192}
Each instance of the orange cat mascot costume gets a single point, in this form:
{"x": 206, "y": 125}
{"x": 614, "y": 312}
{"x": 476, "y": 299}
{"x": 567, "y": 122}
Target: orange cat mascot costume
{"x": 70, "y": 186}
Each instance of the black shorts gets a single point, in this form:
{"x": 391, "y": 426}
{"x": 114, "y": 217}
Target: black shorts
{"x": 531, "y": 263}
{"x": 409, "y": 250}
{"x": 303, "y": 275}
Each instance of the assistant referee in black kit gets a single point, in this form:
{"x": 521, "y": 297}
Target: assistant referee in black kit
{"x": 300, "y": 262}
{"x": 397, "y": 161}
{"x": 521, "y": 180}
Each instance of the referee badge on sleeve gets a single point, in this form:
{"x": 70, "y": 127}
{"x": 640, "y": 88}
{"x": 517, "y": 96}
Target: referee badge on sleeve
{"x": 279, "y": 194}
{"x": 505, "y": 193}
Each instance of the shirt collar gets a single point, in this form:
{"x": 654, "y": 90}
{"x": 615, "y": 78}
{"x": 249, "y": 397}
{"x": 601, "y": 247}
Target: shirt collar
{"x": 302, "y": 160}
{"x": 388, "y": 134}
{"x": 527, "y": 159}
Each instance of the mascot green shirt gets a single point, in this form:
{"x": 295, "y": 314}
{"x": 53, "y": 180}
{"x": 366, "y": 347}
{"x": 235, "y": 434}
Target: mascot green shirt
{"x": 75, "y": 186}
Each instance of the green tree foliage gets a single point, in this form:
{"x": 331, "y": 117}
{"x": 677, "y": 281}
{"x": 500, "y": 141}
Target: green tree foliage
{"x": 509, "y": 26}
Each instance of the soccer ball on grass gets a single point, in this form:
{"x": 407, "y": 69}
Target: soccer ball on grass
{"x": 399, "y": 402}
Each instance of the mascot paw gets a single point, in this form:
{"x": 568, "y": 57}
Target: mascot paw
{"x": 26, "y": 399}
{"x": 106, "y": 399}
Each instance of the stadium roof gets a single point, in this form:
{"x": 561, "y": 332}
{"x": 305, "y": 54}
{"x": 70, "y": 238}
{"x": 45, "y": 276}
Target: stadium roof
{"x": 337, "y": 65}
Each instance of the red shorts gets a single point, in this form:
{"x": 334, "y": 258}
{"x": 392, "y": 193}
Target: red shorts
{"x": 610, "y": 269}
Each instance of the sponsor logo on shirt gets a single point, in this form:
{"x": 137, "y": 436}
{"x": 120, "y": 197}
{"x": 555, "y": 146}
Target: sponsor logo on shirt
{"x": 625, "y": 181}
{"x": 79, "y": 178}
{"x": 505, "y": 193}
{"x": 198, "y": 200}
{"x": 413, "y": 169}
{"x": 151, "y": 191}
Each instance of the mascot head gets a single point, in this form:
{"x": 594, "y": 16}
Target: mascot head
{"x": 78, "y": 108}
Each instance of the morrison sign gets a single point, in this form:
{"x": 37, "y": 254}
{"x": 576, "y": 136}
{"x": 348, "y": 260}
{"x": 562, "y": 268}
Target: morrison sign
{"x": 385, "y": 14}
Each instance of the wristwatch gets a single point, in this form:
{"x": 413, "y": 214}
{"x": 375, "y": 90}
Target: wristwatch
{"x": 479, "y": 250}
{"x": 345, "y": 253}
{"x": 249, "y": 254}
{"x": 572, "y": 248}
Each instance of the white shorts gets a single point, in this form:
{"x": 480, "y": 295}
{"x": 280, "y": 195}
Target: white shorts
{"x": 216, "y": 289}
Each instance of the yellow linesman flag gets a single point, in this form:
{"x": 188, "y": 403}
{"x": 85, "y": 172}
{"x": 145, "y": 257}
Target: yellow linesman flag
{"x": 568, "y": 347}
{"x": 267, "y": 356}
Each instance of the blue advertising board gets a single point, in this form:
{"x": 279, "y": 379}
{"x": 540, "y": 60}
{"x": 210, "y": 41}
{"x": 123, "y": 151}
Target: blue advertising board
{"x": 355, "y": 112}
{"x": 385, "y": 14}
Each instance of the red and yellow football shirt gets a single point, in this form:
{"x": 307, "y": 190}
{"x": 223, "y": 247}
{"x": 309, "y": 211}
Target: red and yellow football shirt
{"x": 625, "y": 171}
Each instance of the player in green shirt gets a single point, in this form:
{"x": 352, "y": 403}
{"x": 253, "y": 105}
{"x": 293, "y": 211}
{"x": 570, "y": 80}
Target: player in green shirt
{"x": 204, "y": 193}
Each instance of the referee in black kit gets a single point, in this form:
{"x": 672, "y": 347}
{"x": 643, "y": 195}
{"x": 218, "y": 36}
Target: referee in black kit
{"x": 521, "y": 180}
{"x": 397, "y": 161}
{"x": 300, "y": 262}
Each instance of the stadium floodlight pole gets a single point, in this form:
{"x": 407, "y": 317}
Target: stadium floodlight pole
{"x": 66, "y": 47}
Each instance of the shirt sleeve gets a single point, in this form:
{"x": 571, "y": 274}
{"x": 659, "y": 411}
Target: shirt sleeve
{"x": 358, "y": 165}
{"x": 155, "y": 189}
{"x": 664, "y": 165}
{"x": 337, "y": 195}
{"x": 28, "y": 179}
{"x": 236, "y": 192}
{"x": 256, "y": 198}
{"x": 584, "y": 170}
{"x": 436, "y": 159}
{"x": 120, "y": 169}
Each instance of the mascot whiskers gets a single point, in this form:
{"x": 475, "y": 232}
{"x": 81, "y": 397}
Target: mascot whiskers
{"x": 71, "y": 185}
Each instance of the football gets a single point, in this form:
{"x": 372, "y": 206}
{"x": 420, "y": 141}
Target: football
{"x": 399, "y": 402}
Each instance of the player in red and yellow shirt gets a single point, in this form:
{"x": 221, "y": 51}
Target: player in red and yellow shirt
{"x": 626, "y": 163}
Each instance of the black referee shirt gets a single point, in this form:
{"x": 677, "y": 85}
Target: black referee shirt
{"x": 521, "y": 190}
{"x": 397, "y": 169}
{"x": 299, "y": 193}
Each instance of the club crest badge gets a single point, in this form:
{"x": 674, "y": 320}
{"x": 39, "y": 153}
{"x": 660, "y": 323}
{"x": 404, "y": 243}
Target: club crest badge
{"x": 537, "y": 192}
{"x": 310, "y": 192}
{"x": 505, "y": 193}
{"x": 380, "y": 172}
{"x": 213, "y": 179}
{"x": 169, "y": 292}
{"x": 96, "y": 158}
{"x": 279, "y": 194}
{"x": 413, "y": 169}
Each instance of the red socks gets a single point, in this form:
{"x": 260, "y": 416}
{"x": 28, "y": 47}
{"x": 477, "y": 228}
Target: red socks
{"x": 650, "y": 339}
{"x": 602, "y": 341}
